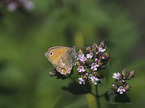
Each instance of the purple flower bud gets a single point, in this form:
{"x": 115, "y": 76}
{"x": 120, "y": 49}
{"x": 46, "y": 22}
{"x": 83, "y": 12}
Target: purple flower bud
{"x": 103, "y": 57}
{"x": 113, "y": 85}
{"x": 123, "y": 72}
{"x": 87, "y": 74}
{"x": 127, "y": 87}
{"x": 120, "y": 83}
{"x": 96, "y": 59}
{"x": 12, "y": 6}
{"x": 99, "y": 61}
{"x": 97, "y": 53}
{"x": 52, "y": 73}
{"x": 123, "y": 81}
{"x": 107, "y": 55}
{"x": 94, "y": 45}
{"x": 88, "y": 49}
{"x": 102, "y": 44}
{"x": 132, "y": 73}
{"x": 28, "y": 5}
{"x": 80, "y": 51}
{"x": 101, "y": 47}
{"x": 127, "y": 74}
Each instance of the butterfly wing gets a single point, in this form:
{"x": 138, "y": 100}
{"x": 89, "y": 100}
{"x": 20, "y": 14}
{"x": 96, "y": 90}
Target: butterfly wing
{"x": 55, "y": 53}
{"x": 66, "y": 62}
{"x": 62, "y": 58}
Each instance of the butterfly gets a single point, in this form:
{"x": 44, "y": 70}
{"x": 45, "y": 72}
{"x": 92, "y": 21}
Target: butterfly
{"x": 63, "y": 58}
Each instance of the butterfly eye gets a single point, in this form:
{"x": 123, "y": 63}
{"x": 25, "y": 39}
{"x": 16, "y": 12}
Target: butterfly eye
{"x": 50, "y": 53}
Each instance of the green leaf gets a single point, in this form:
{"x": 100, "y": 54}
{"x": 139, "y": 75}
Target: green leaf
{"x": 115, "y": 98}
{"x": 77, "y": 88}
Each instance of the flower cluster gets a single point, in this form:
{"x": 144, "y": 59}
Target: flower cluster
{"x": 13, "y": 5}
{"x": 90, "y": 61}
{"x": 120, "y": 84}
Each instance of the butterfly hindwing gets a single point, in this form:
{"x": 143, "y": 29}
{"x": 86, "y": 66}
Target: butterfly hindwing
{"x": 66, "y": 62}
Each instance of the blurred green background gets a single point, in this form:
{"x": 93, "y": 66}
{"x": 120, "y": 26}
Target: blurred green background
{"x": 26, "y": 35}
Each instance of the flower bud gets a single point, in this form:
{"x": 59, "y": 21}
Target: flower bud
{"x": 127, "y": 87}
{"x": 131, "y": 74}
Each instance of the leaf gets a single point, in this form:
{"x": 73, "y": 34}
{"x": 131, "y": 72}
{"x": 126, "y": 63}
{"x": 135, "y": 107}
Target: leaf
{"x": 122, "y": 98}
{"x": 115, "y": 98}
{"x": 77, "y": 88}
{"x": 110, "y": 96}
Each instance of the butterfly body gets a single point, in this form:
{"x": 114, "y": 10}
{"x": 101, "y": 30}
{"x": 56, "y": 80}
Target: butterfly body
{"x": 63, "y": 58}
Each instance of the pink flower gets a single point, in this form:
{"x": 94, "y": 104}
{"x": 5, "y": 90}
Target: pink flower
{"x": 116, "y": 75}
{"x": 100, "y": 49}
{"x": 90, "y": 55}
{"x": 121, "y": 90}
{"x": 94, "y": 66}
{"x": 81, "y": 80}
{"x": 93, "y": 79}
{"x": 81, "y": 69}
{"x": 12, "y": 6}
{"x": 29, "y": 5}
{"x": 81, "y": 57}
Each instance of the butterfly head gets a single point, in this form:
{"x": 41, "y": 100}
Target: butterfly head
{"x": 48, "y": 54}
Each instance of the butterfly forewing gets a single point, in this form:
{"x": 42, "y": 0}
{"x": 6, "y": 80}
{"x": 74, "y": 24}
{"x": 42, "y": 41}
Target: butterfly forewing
{"x": 55, "y": 53}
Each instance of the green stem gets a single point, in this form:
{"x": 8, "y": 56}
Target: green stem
{"x": 97, "y": 98}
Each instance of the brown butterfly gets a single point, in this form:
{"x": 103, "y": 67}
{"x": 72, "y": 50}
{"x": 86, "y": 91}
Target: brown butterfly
{"x": 63, "y": 58}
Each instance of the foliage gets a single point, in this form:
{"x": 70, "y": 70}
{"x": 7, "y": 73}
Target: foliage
{"x": 26, "y": 35}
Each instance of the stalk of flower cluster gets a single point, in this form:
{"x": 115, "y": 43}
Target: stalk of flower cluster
{"x": 97, "y": 97}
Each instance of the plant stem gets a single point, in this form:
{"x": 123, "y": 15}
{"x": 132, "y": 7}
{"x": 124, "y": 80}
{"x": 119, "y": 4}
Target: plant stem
{"x": 97, "y": 98}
